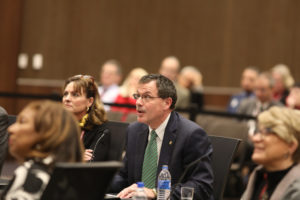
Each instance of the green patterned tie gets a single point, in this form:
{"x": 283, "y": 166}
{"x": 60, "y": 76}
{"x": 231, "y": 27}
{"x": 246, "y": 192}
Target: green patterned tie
{"x": 150, "y": 162}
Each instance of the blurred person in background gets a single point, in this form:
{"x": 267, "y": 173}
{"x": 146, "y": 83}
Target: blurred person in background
{"x": 170, "y": 68}
{"x": 191, "y": 78}
{"x": 276, "y": 151}
{"x": 43, "y": 134}
{"x": 248, "y": 79}
{"x": 81, "y": 97}
{"x": 283, "y": 82}
{"x": 127, "y": 89}
{"x": 3, "y": 135}
{"x": 293, "y": 100}
{"x": 110, "y": 78}
{"x": 263, "y": 99}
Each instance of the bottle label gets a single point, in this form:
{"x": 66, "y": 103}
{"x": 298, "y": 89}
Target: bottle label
{"x": 164, "y": 184}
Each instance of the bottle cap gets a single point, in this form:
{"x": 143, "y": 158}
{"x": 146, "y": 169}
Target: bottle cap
{"x": 140, "y": 184}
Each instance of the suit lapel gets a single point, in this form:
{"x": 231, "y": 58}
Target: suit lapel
{"x": 142, "y": 141}
{"x": 168, "y": 142}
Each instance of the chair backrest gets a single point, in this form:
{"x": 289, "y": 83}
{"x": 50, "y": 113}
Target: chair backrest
{"x": 117, "y": 140}
{"x": 226, "y": 127}
{"x": 224, "y": 149}
{"x": 79, "y": 181}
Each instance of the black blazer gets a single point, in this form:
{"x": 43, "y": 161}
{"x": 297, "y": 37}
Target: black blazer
{"x": 184, "y": 142}
{"x": 95, "y": 140}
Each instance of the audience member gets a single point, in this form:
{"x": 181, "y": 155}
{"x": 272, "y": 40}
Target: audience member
{"x": 263, "y": 99}
{"x": 81, "y": 97}
{"x": 170, "y": 68}
{"x": 276, "y": 150}
{"x": 44, "y": 134}
{"x": 3, "y": 135}
{"x": 283, "y": 82}
{"x": 175, "y": 142}
{"x": 110, "y": 78}
{"x": 248, "y": 79}
{"x": 127, "y": 89}
{"x": 293, "y": 100}
{"x": 191, "y": 78}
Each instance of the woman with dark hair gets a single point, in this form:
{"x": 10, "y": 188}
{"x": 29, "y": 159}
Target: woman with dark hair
{"x": 81, "y": 97}
{"x": 44, "y": 134}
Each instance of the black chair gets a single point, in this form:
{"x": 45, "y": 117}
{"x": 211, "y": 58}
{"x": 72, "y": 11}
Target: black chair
{"x": 117, "y": 140}
{"x": 79, "y": 181}
{"x": 224, "y": 149}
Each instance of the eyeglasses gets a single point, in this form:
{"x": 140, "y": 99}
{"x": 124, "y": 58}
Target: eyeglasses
{"x": 265, "y": 132}
{"x": 88, "y": 77}
{"x": 144, "y": 98}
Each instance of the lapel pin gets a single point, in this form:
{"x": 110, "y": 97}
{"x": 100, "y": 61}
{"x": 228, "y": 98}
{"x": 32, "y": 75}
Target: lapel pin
{"x": 171, "y": 142}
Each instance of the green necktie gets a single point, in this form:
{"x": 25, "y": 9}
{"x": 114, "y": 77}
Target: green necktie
{"x": 150, "y": 162}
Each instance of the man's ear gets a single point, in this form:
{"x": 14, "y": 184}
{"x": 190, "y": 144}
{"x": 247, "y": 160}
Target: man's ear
{"x": 168, "y": 102}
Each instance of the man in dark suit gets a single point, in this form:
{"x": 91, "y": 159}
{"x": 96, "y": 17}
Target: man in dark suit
{"x": 3, "y": 135}
{"x": 179, "y": 142}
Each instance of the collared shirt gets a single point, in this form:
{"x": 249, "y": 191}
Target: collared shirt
{"x": 160, "y": 131}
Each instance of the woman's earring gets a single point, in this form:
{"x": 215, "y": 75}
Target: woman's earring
{"x": 87, "y": 109}
{"x": 287, "y": 154}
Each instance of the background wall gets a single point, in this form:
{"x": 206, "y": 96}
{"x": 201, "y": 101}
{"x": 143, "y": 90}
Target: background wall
{"x": 218, "y": 37}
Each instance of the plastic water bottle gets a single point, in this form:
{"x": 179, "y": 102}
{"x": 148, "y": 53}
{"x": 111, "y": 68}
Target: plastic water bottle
{"x": 140, "y": 192}
{"x": 164, "y": 184}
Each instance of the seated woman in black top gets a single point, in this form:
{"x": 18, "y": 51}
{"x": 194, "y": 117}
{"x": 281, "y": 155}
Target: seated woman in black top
{"x": 276, "y": 150}
{"x": 81, "y": 97}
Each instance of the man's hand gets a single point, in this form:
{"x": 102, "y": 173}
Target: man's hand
{"x": 130, "y": 191}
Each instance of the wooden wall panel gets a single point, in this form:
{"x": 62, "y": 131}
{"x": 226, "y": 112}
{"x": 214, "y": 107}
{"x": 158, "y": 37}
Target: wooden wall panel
{"x": 218, "y": 37}
{"x": 10, "y": 12}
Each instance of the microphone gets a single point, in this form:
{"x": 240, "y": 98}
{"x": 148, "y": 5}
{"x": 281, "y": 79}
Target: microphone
{"x": 99, "y": 139}
{"x": 190, "y": 166}
{"x": 187, "y": 168}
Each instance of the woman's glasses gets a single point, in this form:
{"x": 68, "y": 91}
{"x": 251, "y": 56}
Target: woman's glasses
{"x": 88, "y": 77}
{"x": 264, "y": 132}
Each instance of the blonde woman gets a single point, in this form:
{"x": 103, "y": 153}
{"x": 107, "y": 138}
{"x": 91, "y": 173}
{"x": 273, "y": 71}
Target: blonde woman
{"x": 276, "y": 150}
{"x": 127, "y": 89}
{"x": 44, "y": 133}
{"x": 283, "y": 82}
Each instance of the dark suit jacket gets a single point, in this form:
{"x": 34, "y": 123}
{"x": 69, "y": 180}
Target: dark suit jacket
{"x": 3, "y": 135}
{"x": 93, "y": 139}
{"x": 183, "y": 142}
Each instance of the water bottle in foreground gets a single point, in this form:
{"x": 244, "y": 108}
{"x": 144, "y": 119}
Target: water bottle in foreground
{"x": 140, "y": 192}
{"x": 164, "y": 184}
